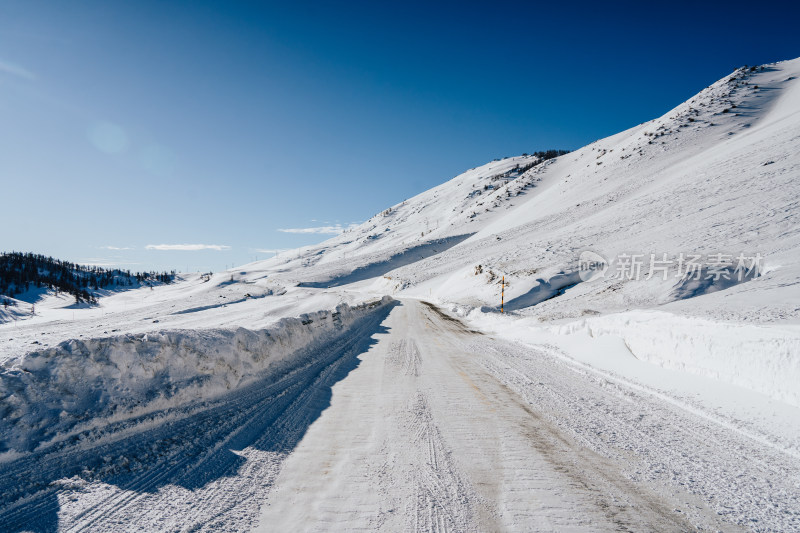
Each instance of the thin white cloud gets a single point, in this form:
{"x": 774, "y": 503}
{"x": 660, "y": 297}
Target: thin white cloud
{"x": 187, "y": 247}
{"x": 116, "y": 247}
{"x": 269, "y": 250}
{"x": 102, "y": 262}
{"x": 97, "y": 263}
{"x": 16, "y": 70}
{"x": 324, "y": 230}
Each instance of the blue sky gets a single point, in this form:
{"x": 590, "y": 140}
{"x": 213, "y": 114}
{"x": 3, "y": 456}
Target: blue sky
{"x": 128, "y": 128}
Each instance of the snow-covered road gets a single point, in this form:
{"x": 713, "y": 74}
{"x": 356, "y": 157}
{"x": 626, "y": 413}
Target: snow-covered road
{"x": 443, "y": 429}
{"x": 413, "y": 422}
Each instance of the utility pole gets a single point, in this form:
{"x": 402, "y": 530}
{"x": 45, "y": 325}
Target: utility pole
{"x": 502, "y": 293}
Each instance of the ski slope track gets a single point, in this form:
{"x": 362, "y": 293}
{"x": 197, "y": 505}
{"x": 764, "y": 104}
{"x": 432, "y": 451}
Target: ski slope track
{"x": 370, "y": 382}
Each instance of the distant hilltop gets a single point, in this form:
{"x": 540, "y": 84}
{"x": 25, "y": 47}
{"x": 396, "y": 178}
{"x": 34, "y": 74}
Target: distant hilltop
{"x": 21, "y": 273}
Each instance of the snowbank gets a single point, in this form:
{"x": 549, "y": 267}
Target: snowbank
{"x": 762, "y": 358}
{"x": 52, "y": 393}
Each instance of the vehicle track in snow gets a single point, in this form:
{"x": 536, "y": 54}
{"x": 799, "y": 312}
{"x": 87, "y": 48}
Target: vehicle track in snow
{"x": 412, "y": 423}
{"x": 657, "y": 442}
{"x": 426, "y": 436}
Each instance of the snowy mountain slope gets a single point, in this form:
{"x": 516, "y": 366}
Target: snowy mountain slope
{"x": 438, "y": 217}
{"x": 717, "y": 174}
{"x": 713, "y": 351}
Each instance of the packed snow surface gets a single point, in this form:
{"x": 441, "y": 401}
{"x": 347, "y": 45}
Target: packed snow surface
{"x": 658, "y": 391}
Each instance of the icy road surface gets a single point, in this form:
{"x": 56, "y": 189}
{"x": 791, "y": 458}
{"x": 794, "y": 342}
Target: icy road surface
{"x": 413, "y": 422}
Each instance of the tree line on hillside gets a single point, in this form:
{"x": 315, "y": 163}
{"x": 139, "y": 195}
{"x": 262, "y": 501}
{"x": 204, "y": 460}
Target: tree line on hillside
{"x": 19, "y": 272}
{"x": 549, "y": 154}
{"x": 544, "y": 155}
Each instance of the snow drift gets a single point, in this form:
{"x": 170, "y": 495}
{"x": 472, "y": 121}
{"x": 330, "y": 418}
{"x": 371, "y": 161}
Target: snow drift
{"x": 50, "y": 394}
{"x": 763, "y": 358}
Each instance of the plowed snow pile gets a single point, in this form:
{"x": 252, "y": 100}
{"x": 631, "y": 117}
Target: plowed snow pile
{"x": 54, "y": 393}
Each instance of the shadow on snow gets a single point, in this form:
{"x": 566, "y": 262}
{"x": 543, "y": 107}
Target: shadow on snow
{"x": 406, "y": 257}
{"x": 544, "y": 290}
